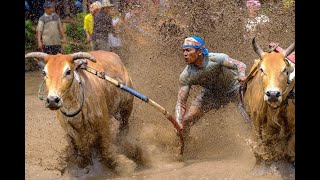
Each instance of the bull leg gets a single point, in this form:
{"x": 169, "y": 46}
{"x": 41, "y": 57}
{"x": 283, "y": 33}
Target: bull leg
{"x": 291, "y": 149}
{"x": 80, "y": 147}
{"x": 82, "y": 154}
{"x": 125, "y": 113}
{"x": 257, "y": 140}
{"x": 121, "y": 164}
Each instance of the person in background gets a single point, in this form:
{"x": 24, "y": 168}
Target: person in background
{"x": 102, "y": 26}
{"x": 252, "y": 7}
{"x": 78, "y": 6}
{"x": 255, "y": 19}
{"x": 27, "y": 9}
{"x": 118, "y": 26}
{"x": 88, "y": 21}
{"x": 49, "y": 30}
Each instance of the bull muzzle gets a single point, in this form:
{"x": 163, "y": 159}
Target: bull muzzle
{"x": 273, "y": 96}
{"x": 53, "y": 102}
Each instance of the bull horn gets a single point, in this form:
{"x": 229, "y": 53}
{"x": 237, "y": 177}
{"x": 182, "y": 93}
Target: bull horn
{"x": 37, "y": 55}
{"x": 256, "y": 48}
{"x": 80, "y": 55}
{"x": 289, "y": 50}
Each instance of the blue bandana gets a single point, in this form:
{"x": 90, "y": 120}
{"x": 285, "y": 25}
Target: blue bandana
{"x": 195, "y": 42}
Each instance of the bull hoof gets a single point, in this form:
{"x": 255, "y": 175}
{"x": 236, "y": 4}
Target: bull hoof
{"x": 124, "y": 165}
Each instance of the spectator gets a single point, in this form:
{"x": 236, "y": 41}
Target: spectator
{"x": 254, "y": 19}
{"x": 36, "y": 9}
{"x": 88, "y": 21}
{"x": 114, "y": 38}
{"x": 78, "y": 6}
{"x": 50, "y": 30}
{"x": 252, "y": 7}
{"x": 102, "y": 26}
{"x": 27, "y": 9}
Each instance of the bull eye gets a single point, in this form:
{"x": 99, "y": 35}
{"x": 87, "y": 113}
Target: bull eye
{"x": 44, "y": 73}
{"x": 68, "y": 72}
{"x": 284, "y": 70}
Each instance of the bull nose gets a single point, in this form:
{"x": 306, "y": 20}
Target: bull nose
{"x": 53, "y": 102}
{"x": 273, "y": 96}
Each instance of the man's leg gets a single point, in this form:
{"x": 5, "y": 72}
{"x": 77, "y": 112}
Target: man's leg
{"x": 56, "y": 49}
{"x": 47, "y": 49}
{"x": 193, "y": 115}
{"x": 203, "y": 103}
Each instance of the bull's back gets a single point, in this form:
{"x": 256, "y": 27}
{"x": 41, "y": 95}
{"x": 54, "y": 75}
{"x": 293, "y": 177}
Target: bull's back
{"x": 111, "y": 64}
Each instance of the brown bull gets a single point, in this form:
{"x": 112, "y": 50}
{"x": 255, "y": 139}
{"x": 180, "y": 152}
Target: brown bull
{"x": 96, "y": 99}
{"x": 268, "y": 99}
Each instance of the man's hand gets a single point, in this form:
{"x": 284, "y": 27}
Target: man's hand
{"x": 40, "y": 46}
{"x": 242, "y": 80}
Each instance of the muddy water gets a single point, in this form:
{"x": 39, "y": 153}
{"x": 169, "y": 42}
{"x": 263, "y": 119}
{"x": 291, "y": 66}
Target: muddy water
{"x": 220, "y": 145}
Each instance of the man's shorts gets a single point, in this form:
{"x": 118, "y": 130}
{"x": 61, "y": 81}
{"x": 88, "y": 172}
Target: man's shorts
{"x": 209, "y": 99}
{"x": 53, "y": 49}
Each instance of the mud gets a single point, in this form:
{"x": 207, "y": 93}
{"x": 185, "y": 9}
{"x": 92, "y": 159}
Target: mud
{"x": 220, "y": 147}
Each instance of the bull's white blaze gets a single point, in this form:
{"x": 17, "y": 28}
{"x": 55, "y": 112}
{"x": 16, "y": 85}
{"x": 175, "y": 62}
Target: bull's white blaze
{"x": 272, "y": 86}
{"x": 54, "y": 91}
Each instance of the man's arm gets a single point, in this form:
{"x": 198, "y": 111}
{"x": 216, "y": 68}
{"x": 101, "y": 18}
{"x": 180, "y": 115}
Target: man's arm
{"x": 39, "y": 40}
{"x": 61, "y": 30}
{"x": 39, "y": 34}
{"x": 239, "y": 66}
{"x": 182, "y": 99}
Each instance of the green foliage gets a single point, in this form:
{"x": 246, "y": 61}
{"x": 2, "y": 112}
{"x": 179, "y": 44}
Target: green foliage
{"x": 71, "y": 48}
{"x": 29, "y": 35}
{"x": 67, "y": 49}
{"x": 76, "y": 33}
{"x": 75, "y": 30}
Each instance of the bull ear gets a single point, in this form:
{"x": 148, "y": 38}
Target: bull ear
{"x": 41, "y": 64}
{"x": 291, "y": 67}
{"x": 289, "y": 50}
{"x": 257, "y": 48}
{"x": 79, "y": 63}
{"x": 82, "y": 55}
